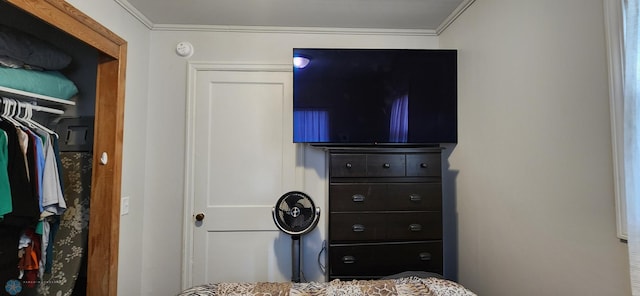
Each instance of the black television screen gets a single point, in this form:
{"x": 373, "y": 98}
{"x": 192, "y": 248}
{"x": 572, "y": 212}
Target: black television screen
{"x": 375, "y": 96}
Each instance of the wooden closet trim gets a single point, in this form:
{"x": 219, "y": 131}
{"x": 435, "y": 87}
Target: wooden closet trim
{"x": 104, "y": 224}
{"x": 64, "y": 16}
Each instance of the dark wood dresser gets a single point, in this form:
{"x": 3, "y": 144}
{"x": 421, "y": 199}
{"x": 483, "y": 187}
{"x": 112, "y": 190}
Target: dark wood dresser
{"x": 385, "y": 212}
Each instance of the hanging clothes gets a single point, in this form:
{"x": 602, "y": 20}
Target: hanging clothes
{"x": 53, "y": 202}
{"x": 5, "y": 187}
{"x": 9, "y": 252}
{"x": 32, "y": 197}
{"x": 35, "y": 159}
{"x": 29, "y": 250}
{"x": 25, "y": 203}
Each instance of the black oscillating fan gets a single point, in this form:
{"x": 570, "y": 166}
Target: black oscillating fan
{"x": 295, "y": 214}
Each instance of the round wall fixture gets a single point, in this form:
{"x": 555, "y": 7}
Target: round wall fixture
{"x": 184, "y": 49}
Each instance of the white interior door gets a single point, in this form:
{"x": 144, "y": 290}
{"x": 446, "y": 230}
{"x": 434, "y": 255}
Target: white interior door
{"x": 240, "y": 160}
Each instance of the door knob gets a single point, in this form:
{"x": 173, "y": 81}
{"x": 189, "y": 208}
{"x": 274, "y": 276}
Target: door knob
{"x": 104, "y": 158}
{"x": 199, "y": 217}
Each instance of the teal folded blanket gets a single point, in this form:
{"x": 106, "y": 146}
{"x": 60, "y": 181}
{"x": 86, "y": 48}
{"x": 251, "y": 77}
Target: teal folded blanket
{"x": 48, "y": 83}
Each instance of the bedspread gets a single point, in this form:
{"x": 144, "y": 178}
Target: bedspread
{"x": 407, "y": 286}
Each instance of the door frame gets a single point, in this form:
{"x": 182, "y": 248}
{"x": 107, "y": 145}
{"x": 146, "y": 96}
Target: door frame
{"x": 188, "y": 217}
{"x": 104, "y": 223}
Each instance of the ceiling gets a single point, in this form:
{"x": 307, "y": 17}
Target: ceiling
{"x": 430, "y": 15}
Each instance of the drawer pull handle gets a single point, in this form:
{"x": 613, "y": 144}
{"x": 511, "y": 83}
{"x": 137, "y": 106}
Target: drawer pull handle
{"x": 358, "y": 228}
{"x": 423, "y": 165}
{"x": 415, "y": 227}
{"x": 415, "y": 198}
{"x": 386, "y": 165}
{"x": 357, "y": 198}
{"x": 348, "y": 259}
{"x": 425, "y": 256}
{"x": 348, "y": 165}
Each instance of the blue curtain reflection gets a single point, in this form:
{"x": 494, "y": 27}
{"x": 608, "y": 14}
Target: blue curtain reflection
{"x": 399, "y": 123}
{"x": 310, "y": 126}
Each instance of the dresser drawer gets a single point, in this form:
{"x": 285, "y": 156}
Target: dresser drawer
{"x": 423, "y": 164}
{"x": 347, "y": 197}
{"x": 368, "y": 165}
{"x": 386, "y": 165}
{"x": 377, "y": 260}
{"x": 389, "y": 226}
{"x": 348, "y": 165}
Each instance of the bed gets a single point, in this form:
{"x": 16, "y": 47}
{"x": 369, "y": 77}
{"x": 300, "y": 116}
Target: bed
{"x": 402, "y": 286}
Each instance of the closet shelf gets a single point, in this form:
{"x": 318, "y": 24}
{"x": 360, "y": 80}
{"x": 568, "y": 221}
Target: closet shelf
{"x": 33, "y": 97}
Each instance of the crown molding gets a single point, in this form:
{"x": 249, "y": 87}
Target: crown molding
{"x": 135, "y": 13}
{"x": 454, "y": 16}
{"x": 296, "y": 30}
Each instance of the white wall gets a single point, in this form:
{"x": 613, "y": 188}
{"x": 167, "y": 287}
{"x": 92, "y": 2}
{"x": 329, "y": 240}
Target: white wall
{"x": 166, "y": 132}
{"x": 112, "y": 16}
{"x": 534, "y": 186}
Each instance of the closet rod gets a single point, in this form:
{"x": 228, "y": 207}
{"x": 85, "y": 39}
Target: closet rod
{"x": 46, "y": 109}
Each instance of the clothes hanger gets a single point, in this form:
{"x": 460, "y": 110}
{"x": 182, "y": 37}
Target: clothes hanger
{"x": 22, "y": 119}
{"x": 5, "y": 107}
{"x": 9, "y": 108}
{"x": 29, "y": 113}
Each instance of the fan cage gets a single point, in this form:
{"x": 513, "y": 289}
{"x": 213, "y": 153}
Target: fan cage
{"x": 295, "y": 213}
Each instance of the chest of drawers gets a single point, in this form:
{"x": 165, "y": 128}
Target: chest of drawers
{"x": 385, "y": 212}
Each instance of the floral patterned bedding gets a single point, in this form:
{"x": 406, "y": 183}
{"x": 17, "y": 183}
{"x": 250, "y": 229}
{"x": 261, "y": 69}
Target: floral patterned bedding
{"x": 394, "y": 287}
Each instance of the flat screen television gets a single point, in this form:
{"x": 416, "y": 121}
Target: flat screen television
{"x": 375, "y": 96}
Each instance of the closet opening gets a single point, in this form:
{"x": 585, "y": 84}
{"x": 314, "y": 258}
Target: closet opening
{"x": 59, "y": 72}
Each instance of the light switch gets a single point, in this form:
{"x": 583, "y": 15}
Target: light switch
{"x": 124, "y": 206}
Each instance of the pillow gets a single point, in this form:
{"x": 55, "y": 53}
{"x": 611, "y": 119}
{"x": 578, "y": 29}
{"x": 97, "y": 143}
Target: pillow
{"x": 10, "y": 62}
{"x": 31, "y": 50}
{"x": 48, "y": 83}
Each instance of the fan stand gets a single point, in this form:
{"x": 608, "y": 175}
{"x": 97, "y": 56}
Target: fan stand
{"x": 294, "y": 204}
{"x": 295, "y": 259}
